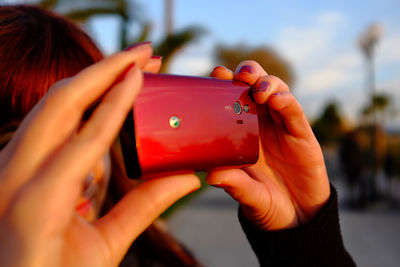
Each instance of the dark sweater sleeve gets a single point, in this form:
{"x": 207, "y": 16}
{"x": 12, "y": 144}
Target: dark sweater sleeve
{"x": 318, "y": 243}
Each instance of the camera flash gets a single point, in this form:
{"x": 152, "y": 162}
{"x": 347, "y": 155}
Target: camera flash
{"x": 174, "y": 122}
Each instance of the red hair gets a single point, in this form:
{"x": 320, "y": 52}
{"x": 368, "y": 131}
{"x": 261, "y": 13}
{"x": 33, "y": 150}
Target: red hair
{"x": 37, "y": 48}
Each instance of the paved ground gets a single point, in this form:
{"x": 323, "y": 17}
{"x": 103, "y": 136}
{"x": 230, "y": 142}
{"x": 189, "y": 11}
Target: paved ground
{"x": 208, "y": 225}
{"x": 372, "y": 236}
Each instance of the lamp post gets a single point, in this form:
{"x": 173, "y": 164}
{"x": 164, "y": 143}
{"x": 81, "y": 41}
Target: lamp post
{"x": 368, "y": 41}
{"x": 168, "y": 11}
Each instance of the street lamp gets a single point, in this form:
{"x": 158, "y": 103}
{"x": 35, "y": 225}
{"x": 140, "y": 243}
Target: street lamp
{"x": 368, "y": 41}
{"x": 169, "y": 13}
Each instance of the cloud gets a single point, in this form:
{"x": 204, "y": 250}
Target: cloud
{"x": 191, "y": 65}
{"x": 303, "y": 45}
{"x": 322, "y": 64}
{"x": 326, "y": 69}
{"x": 392, "y": 85}
{"x": 388, "y": 51}
{"x": 331, "y": 18}
{"x": 341, "y": 70}
{"x": 193, "y": 61}
{"x": 328, "y": 63}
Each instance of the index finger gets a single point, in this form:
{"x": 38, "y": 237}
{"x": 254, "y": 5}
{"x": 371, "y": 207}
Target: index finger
{"x": 60, "y": 111}
{"x": 249, "y": 71}
{"x": 92, "y": 82}
{"x": 57, "y": 116}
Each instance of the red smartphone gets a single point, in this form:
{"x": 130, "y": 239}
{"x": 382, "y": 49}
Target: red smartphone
{"x": 186, "y": 123}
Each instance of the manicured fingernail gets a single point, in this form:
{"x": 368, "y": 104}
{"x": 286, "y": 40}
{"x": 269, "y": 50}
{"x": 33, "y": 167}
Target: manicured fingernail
{"x": 136, "y": 45}
{"x": 246, "y": 68}
{"x": 261, "y": 88}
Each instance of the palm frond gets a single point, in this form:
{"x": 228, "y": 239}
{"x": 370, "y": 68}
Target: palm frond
{"x": 173, "y": 43}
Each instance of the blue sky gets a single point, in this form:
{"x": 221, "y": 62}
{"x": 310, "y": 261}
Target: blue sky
{"x": 318, "y": 39}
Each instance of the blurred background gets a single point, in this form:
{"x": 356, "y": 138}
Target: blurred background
{"x": 340, "y": 58}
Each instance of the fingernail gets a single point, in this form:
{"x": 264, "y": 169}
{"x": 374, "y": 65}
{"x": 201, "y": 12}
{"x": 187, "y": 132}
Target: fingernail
{"x": 156, "y": 57}
{"x": 246, "y": 68}
{"x": 136, "y": 45}
{"x": 262, "y": 87}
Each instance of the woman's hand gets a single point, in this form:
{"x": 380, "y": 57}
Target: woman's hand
{"x": 43, "y": 168}
{"x": 288, "y": 185}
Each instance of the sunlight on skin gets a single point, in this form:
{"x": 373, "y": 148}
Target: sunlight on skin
{"x": 288, "y": 185}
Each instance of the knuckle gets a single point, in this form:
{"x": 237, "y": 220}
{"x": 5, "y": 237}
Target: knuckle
{"x": 279, "y": 84}
{"x": 61, "y": 107}
{"x": 59, "y": 95}
{"x": 274, "y": 79}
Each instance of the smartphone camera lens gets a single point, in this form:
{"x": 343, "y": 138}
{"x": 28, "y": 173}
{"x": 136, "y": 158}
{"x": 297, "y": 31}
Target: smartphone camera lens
{"x": 237, "y": 107}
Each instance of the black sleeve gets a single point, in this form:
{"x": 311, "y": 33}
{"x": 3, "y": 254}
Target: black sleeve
{"x": 318, "y": 243}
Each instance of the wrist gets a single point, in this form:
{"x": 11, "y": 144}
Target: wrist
{"x": 317, "y": 243}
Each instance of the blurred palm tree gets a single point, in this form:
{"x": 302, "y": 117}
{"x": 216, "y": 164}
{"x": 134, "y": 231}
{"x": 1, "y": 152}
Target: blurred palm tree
{"x": 127, "y": 11}
{"x": 380, "y": 107}
{"x": 329, "y": 126}
{"x": 174, "y": 43}
{"x": 82, "y": 11}
{"x": 265, "y": 56}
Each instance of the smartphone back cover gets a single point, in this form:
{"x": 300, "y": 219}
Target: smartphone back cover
{"x": 186, "y": 123}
